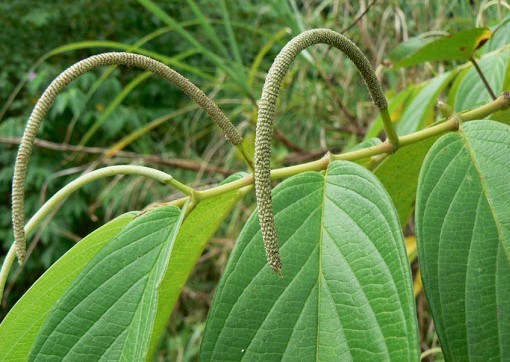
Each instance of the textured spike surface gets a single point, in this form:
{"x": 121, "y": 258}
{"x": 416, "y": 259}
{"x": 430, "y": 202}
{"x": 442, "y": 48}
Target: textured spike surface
{"x": 266, "y": 115}
{"x": 59, "y": 83}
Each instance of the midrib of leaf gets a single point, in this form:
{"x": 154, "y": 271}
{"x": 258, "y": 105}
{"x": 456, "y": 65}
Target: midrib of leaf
{"x": 390, "y": 231}
{"x": 320, "y": 275}
{"x": 345, "y": 339}
{"x": 469, "y": 336}
{"x": 172, "y": 235}
{"x": 500, "y": 335}
{"x": 464, "y": 139}
{"x": 151, "y": 273}
{"x": 355, "y": 278}
{"x": 288, "y": 289}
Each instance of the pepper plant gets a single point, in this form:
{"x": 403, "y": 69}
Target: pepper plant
{"x": 320, "y": 270}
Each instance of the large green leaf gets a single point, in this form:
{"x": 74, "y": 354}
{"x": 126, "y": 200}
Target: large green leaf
{"x": 457, "y": 46}
{"x": 409, "y": 47}
{"x": 195, "y": 232}
{"x": 20, "y": 327}
{"x": 399, "y": 175}
{"x": 346, "y": 287}
{"x": 108, "y": 312}
{"x": 463, "y": 231}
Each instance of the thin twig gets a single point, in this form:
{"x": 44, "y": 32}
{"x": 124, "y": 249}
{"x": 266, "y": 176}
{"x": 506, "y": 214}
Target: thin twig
{"x": 176, "y": 163}
{"x": 286, "y": 142}
{"x": 351, "y": 25}
{"x": 482, "y": 77}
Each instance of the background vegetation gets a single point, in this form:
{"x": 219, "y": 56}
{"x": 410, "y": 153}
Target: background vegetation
{"x": 225, "y": 48}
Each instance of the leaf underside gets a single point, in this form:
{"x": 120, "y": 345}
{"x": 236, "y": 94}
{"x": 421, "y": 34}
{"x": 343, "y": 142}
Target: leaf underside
{"x": 346, "y": 288}
{"x": 108, "y": 312}
{"x": 20, "y": 327}
{"x": 195, "y": 232}
{"x": 463, "y": 231}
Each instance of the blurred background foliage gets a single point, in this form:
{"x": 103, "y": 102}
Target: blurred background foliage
{"x": 118, "y": 115}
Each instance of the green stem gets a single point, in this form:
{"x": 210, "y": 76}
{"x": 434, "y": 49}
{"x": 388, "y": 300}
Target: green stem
{"x": 500, "y": 104}
{"x": 391, "y": 133}
{"x": 430, "y": 352}
{"x": 75, "y": 185}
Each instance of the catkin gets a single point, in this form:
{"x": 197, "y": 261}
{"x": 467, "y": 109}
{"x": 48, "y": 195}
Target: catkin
{"x": 266, "y": 114}
{"x": 58, "y": 84}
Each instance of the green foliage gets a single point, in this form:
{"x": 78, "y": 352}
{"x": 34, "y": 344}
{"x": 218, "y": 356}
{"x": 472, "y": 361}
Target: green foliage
{"x": 189, "y": 245}
{"x": 23, "y": 324}
{"x": 346, "y": 286}
{"x": 458, "y": 46}
{"x": 462, "y": 223}
{"x": 120, "y": 283}
{"x": 333, "y": 302}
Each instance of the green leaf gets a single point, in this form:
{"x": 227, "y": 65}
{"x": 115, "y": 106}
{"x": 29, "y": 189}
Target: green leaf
{"x": 108, "y": 312}
{"x": 463, "y": 231}
{"x": 198, "y": 227}
{"x": 471, "y": 92}
{"x": 420, "y": 111}
{"x": 21, "y": 326}
{"x": 346, "y": 287}
{"x": 457, "y": 46}
{"x": 399, "y": 175}
{"x": 409, "y": 47}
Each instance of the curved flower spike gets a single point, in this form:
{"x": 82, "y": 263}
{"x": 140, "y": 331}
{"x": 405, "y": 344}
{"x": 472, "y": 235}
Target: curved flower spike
{"x": 266, "y": 114}
{"x": 66, "y": 77}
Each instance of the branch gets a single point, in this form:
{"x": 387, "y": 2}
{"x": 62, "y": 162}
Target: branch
{"x": 482, "y": 77}
{"x": 500, "y": 104}
{"x": 175, "y": 163}
{"x": 75, "y": 185}
{"x": 360, "y": 16}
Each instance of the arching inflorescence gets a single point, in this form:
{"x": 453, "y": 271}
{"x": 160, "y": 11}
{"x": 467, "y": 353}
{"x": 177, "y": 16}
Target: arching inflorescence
{"x": 266, "y": 115}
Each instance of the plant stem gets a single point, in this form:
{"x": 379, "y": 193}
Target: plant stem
{"x": 6, "y": 268}
{"x": 482, "y": 77}
{"x": 246, "y": 155}
{"x": 500, "y": 104}
{"x": 389, "y": 129}
{"x": 430, "y": 352}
